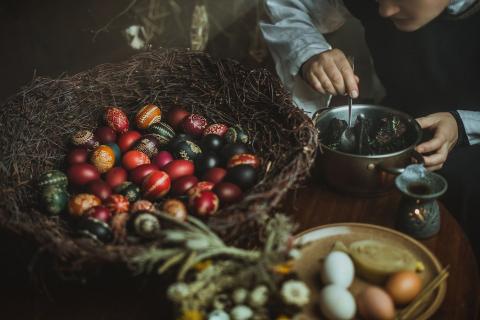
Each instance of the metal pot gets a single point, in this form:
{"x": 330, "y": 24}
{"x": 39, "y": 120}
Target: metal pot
{"x": 364, "y": 174}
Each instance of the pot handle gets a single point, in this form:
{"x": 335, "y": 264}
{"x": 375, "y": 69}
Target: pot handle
{"x": 415, "y": 155}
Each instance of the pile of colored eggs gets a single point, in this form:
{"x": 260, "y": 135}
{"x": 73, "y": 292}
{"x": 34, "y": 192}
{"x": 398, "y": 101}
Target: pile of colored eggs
{"x": 116, "y": 174}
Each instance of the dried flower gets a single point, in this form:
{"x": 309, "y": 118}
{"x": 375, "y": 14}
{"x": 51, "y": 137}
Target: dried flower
{"x": 295, "y": 292}
{"x": 241, "y": 312}
{"x": 191, "y": 315}
{"x": 239, "y": 295}
{"x": 282, "y": 317}
{"x": 178, "y": 291}
{"x": 221, "y": 301}
{"x": 294, "y": 254}
{"x": 202, "y": 265}
{"x": 283, "y": 268}
{"x": 258, "y": 297}
{"x": 218, "y": 315}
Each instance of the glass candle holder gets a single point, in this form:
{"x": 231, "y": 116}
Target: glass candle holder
{"x": 419, "y": 214}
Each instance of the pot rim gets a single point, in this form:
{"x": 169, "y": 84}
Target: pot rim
{"x": 402, "y": 114}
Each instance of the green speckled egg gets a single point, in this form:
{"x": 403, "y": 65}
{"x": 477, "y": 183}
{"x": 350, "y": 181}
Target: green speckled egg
{"x": 162, "y": 129}
{"x": 236, "y": 134}
{"x": 53, "y": 178}
{"x": 187, "y": 150}
{"x": 130, "y": 190}
{"x": 54, "y": 199}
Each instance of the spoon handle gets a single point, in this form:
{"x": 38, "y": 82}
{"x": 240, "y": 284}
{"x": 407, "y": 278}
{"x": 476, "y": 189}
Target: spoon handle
{"x": 352, "y": 62}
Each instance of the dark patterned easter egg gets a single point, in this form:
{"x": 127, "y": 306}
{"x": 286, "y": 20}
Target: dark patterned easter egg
{"x": 145, "y": 225}
{"x": 194, "y": 124}
{"x": 142, "y": 205}
{"x": 216, "y": 128}
{"x": 54, "y": 199}
{"x": 130, "y": 190}
{"x": 53, "y": 178}
{"x": 187, "y": 150}
{"x": 162, "y": 129}
{"x": 149, "y": 144}
{"x": 236, "y": 134}
{"x": 95, "y": 229}
{"x": 116, "y": 119}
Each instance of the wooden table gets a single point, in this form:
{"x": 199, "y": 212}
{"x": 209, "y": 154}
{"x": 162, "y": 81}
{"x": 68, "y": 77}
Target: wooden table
{"x": 316, "y": 205}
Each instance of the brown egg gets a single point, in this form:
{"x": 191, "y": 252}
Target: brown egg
{"x": 176, "y": 209}
{"x": 403, "y": 286}
{"x": 375, "y": 304}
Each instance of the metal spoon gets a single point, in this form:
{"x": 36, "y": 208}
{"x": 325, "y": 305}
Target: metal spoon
{"x": 348, "y": 139}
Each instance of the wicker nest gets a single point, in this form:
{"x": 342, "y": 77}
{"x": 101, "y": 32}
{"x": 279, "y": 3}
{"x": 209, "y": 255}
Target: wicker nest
{"x": 37, "y": 123}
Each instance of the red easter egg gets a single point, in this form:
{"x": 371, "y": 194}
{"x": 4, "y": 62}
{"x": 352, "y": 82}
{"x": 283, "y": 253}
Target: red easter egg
{"x": 80, "y": 203}
{"x": 105, "y": 135}
{"x": 127, "y": 140}
{"x": 117, "y": 203}
{"x": 147, "y": 116}
{"x": 116, "y": 119}
{"x": 133, "y": 159}
{"x": 216, "y": 128}
{"x": 77, "y": 155}
{"x": 183, "y": 184}
{"x": 227, "y": 192}
{"x": 243, "y": 158}
{"x": 156, "y": 185}
{"x": 82, "y": 173}
{"x": 141, "y": 205}
{"x": 194, "y": 124}
{"x": 100, "y": 213}
{"x": 204, "y": 203}
{"x": 179, "y": 168}
{"x": 116, "y": 176}
{"x": 176, "y": 209}
{"x": 201, "y": 186}
{"x": 100, "y": 188}
{"x": 139, "y": 173}
{"x": 215, "y": 175}
{"x": 175, "y": 116}
{"x": 162, "y": 159}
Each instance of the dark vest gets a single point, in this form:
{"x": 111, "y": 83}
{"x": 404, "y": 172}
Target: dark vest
{"x": 436, "y": 68}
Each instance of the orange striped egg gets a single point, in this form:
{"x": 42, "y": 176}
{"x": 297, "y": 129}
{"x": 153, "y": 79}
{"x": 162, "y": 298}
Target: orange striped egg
{"x": 244, "y": 158}
{"x": 103, "y": 158}
{"x": 147, "y": 116}
{"x": 80, "y": 203}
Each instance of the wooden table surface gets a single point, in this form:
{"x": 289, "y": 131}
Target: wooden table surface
{"x": 315, "y": 205}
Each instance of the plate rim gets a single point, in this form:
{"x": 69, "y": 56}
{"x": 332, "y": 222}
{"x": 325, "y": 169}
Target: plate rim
{"x": 442, "y": 289}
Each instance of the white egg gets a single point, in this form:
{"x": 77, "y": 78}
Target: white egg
{"x": 337, "y": 303}
{"x": 338, "y": 269}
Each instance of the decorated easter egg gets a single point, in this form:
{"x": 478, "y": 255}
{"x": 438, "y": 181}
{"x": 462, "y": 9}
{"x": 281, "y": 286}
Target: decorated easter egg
{"x": 201, "y": 186}
{"x": 227, "y": 192}
{"x": 80, "y": 203}
{"x": 162, "y": 158}
{"x": 179, "y": 168}
{"x": 128, "y": 139}
{"x": 186, "y": 150}
{"x": 212, "y": 142}
{"x": 77, "y": 155}
{"x": 145, "y": 225}
{"x": 206, "y": 162}
{"x": 117, "y": 203}
{"x": 105, "y": 135}
{"x": 100, "y": 189}
{"x": 103, "y": 158}
{"x": 176, "y": 209}
{"x": 142, "y": 205}
{"x": 243, "y": 158}
{"x": 214, "y": 175}
{"x": 100, "y": 213}
{"x": 175, "y": 116}
{"x": 162, "y": 129}
{"x": 217, "y": 128}
{"x": 116, "y": 119}
{"x": 149, "y": 144}
{"x": 133, "y": 159}
{"x": 194, "y": 124}
{"x": 82, "y": 173}
{"x": 204, "y": 203}
{"x": 53, "y": 178}
{"x": 95, "y": 229}
{"x": 85, "y": 139}
{"x": 54, "y": 199}
{"x": 236, "y": 134}
{"x": 116, "y": 176}
{"x": 156, "y": 185}
{"x": 177, "y": 139}
{"x": 139, "y": 173}
{"x": 147, "y": 116}
{"x": 232, "y": 149}
{"x": 130, "y": 190}
{"x": 242, "y": 175}
{"x": 116, "y": 152}
{"x": 183, "y": 184}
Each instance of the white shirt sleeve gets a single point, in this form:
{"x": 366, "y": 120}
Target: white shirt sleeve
{"x": 471, "y": 122}
{"x": 294, "y": 34}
